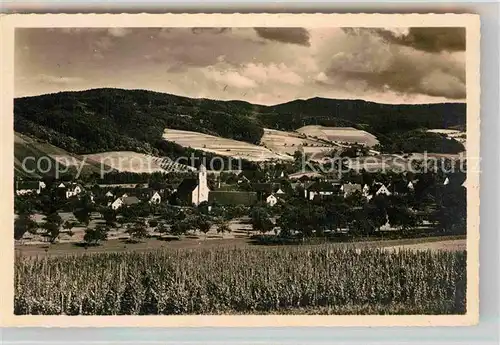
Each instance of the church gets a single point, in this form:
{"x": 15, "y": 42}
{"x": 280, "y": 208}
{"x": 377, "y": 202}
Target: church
{"x": 194, "y": 190}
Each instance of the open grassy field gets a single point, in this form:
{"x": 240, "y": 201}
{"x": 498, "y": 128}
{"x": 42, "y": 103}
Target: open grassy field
{"x": 135, "y": 162}
{"x": 459, "y": 136}
{"x": 222, "y": 146}
{"x": 288, "y": 142}
{"x": 340, "y": 134}
{"x": 320, "y": 279}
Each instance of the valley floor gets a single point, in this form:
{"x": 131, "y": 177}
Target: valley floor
{"x": 448, "y": 243}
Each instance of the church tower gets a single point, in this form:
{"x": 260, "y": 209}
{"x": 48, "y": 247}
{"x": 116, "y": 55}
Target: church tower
{"x": 202, "y": 189}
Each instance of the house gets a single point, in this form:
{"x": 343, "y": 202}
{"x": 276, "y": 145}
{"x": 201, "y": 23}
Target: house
{"x": 263, "y": 190}
{"x": 382, "y": 190}
{"x": 155, "y": 199}
{"x": 271, "y": 200}
{"x": 28, "y": 187}
{"x": 446, "y": 181}
{"x": 124, "y": 201}
{"x": 144, "y": 194}
{"x": 280, "y": 191}
{"x": 350, "y": 188}
{"x": 227, "y": 197}
{"x": 194, "y": 190}
{"x": 70, "y": 189}
{"x": 366, "y": 190}
{"x": 117, "y": 204}
{"x": 464, "y": 184}
{"x": 130, "y": 200}
{"x": 410, "y": 186}
{"x": 109, "y": 194}
{"x": 321, "y": 189}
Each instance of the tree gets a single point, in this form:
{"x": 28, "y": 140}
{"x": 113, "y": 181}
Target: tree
{"x": 82, "y": 215}
{"x": 137, "y": 233}
{"x": 68, "y": 226}
{"x": 163, "y": 228}
{"x": 52, "y": 226}
{"x": 109, "y": 216}
{"x": 401, "y": 217}
{"x": 95, "y": 236}
{"x": 179, "y": 227}
{"x": 23, "y": 224}
{"x": 203, "y": 223}
{"x": 451, "y": 209}
{"x": 153, "y": 223}
{"x": 222, "y": 226}
{"x": 260, "y": 220}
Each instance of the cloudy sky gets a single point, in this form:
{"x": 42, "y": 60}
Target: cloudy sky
{"x": 259, "y": 65}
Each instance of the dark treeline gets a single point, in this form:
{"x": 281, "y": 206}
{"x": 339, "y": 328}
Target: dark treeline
{"x": 118, "y": 120}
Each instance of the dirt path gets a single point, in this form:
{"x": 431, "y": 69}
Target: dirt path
{"x": 449, "y": 245}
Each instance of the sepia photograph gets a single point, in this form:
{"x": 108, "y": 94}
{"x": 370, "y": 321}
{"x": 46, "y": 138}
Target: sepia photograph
{"x": 261, "y": 169}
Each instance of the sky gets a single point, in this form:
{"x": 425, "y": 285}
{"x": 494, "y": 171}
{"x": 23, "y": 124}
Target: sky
{"x": 258, "y": 65}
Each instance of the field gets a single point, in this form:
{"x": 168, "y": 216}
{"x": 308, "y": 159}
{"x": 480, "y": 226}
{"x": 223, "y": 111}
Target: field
{"x": 451, "y": 133}
{"x": 288, "y": 142}
{"x": 340, "y": 134}
{"x": 222, "y": 146}
{"x": 135, "y": 162}
{"x": 40, "y": 158}
{"x": 299, "y": 279}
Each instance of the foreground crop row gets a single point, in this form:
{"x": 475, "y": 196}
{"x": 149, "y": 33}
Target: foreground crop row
{"x": 307, "y": 279}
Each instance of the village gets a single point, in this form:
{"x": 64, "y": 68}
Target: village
{"x": 229, "y": 205}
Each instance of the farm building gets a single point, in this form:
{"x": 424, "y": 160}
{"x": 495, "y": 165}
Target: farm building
{"x": 321, "y": 189}
{"x": 124, "y": 201}
{"x": 29, "y": 187}
{"x": 226, "y": 198}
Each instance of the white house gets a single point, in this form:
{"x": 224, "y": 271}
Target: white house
{"x": 366, "y": 190}
{"x": 271, "y": 200}
{"x": 117, "y": 204}
{"x": 410, "y": 186}
{"x": 109, "y": 194}
{"x": 280, "y": 191}
{"x": 155, "y": 199}
{"x": 383, "y": 190}
{"x": 73, "y": 190}
{"x": 446, "y": 181}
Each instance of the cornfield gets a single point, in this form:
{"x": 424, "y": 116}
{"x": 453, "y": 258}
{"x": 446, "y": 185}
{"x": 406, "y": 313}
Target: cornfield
{"x": 294, "y": 280}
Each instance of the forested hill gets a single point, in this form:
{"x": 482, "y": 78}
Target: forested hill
{"x": 115, "y": 119}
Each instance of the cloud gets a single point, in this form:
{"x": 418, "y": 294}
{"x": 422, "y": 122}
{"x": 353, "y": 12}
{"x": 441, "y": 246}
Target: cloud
{"x": 60, "y": 80}
{"x": 273, "y": 72}
{"x": 369, "y": 63}
{"x": 431, "y": 39}
{"x": 254, "y": 63}
{"x": 298, "y": 36}
{"x": 229, "y": 77}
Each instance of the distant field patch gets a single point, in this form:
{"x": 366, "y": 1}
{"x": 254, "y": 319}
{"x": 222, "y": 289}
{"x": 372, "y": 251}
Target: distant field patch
{"x": 451, "y": 133}
{"x": 222, "y": 146}
{"x": 340, "y": 134}
{"x": 128, "y": 161}
{"x": 288, "y": 142}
